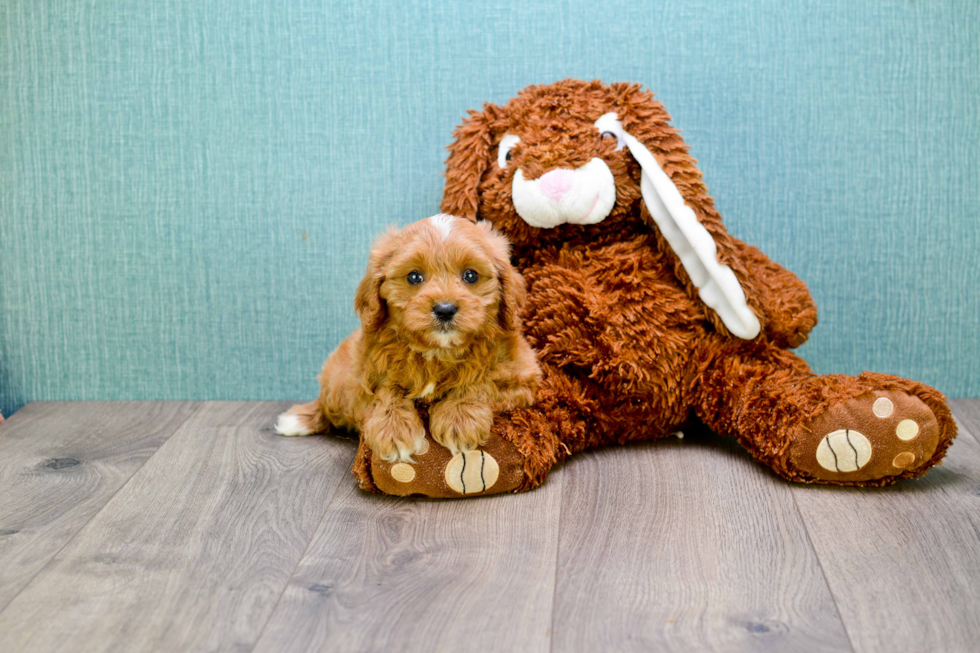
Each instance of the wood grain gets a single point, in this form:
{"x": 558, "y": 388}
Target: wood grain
{"x": 194, "y": 552}
{"x": 904, "y": 562}
{"x": 967, "y": 413}
{"x": 59, "y": 464}
{"x": 682, "y": 546}
{"x": 227, "y": 537}
{"x": 388, "y": 574}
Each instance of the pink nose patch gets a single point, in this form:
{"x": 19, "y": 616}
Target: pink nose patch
{"x": 556, "y": 183}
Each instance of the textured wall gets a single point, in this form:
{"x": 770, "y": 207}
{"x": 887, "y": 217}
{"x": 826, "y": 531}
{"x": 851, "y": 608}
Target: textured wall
{"x": 188, "y": 189}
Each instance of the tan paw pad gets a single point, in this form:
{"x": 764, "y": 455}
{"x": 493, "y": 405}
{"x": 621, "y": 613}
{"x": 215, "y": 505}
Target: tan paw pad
{"x": 907, "y": 429}
{"x": 904, "y": 459}
{"x": 883, "y": 407}
{"x": 403, "y": 473}
{"x": 844, "y": 451}
{"x": 469, "y": 472}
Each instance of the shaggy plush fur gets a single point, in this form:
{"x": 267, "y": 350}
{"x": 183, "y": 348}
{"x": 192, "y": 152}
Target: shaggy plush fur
{"x": 629, "y": 350}
{"x": 438, "y": 309}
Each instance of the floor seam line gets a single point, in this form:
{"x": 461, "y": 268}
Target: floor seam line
{"x": 99, "y": 511}
{"x": 823, "y": 573}
{"x": 299, "y": 561}
{"x": 960, "y": 426}
{"x": 554, "y": 590}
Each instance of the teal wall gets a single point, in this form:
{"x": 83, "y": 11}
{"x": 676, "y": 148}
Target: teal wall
{"x": 188, "y": 189}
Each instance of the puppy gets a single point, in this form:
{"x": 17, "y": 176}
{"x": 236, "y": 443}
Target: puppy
{"x": 439, "y": 322}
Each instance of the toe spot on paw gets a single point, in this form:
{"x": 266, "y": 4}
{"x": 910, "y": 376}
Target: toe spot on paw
{"x": 472, "y": 471}
{"x": 403, "y": 473}
{"x": 844, "y": 450}
{"x": 904, "y": 459}
{"x": 907, "y": 429}
{"x": 883, "y": 407}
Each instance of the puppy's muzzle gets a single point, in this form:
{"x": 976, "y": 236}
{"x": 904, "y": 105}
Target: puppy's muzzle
{"x": 445, "y": 312}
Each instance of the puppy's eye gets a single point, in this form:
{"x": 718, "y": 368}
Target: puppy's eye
{"x": 471, "y": 276}
{"x": 414, "y": 277}
{"x": 504, "y": 155}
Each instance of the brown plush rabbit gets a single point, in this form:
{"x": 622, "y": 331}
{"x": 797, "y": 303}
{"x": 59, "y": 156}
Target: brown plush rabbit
{"x": 647, "y": 315}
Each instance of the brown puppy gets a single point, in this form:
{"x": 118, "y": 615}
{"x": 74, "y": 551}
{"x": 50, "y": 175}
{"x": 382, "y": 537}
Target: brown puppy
{"x": 438, "y": 309}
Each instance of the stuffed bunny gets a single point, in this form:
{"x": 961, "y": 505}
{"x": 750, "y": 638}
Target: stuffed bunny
{"x": 647, "y": 315}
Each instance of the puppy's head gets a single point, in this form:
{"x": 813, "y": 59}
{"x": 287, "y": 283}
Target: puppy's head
{"x": 439, "y": 283}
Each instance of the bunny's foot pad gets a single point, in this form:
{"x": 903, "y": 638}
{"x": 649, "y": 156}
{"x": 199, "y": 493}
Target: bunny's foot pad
{"x": 878, "y": 435}
{"x": 493, "y": 468}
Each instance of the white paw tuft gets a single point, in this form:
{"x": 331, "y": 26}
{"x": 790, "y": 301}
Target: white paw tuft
{"x": 290, "y": 425}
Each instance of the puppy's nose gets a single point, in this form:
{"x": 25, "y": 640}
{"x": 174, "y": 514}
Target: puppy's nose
{"x": 444, "y": 311}
{"x": 556, "y": 183}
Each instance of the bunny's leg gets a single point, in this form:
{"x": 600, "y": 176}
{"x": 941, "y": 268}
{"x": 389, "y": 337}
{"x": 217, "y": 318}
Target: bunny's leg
{"x": 523, "y": 445}
{"x": 870, "y": 429}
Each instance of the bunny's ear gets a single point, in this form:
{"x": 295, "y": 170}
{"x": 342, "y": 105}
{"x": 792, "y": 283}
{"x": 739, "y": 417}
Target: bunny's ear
{"x": 717, "y": 285}
{"x": 469, "y": 156}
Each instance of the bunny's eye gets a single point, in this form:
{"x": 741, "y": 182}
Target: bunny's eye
{"x": 504, "y": 155}
{"x": 608, "y": 127}
{"x": 414, "y": 278}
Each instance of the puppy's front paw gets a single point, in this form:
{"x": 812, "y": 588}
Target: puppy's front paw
{"x": 460, "y": 425}
{"x": 395, "y": 436}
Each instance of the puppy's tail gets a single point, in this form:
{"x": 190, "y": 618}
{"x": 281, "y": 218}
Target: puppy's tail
{"x": 305, "y": 419}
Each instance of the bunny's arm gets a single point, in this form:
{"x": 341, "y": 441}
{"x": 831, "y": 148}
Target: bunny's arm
{"x": 790, "y": 313}
{"x": 777, "y": 297}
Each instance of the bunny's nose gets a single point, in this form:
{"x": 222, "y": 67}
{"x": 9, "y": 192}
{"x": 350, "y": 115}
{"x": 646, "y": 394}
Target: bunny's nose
{"x": 556, "y": 183}
{"x": 444, "y": 311}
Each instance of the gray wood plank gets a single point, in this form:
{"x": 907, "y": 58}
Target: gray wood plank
{"x": 967, "y": 413}
{"x": 686, "y": 545}
{"x": 194, "y": 552}
{"x": 60, "y": 462}
{"x": 904, "y": 562}
{"x": 388, "y": 574}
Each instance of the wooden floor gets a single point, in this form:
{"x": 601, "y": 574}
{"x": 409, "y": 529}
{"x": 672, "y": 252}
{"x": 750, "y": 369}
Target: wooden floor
{"x": 193, "y": 527}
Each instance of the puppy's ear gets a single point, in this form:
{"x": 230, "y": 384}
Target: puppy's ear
{"x": 513, "y": 291}
{"x": 368, "y": 302}
{"x": 469, "y": 156}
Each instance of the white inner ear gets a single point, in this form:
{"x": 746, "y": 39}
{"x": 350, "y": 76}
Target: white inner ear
{"x": 507, "y": 142}
{"x": 717, "y": 285}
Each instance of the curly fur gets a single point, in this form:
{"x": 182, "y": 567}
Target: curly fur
{"x": 468, "y": 368}
{"x": 628, "y": 350}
